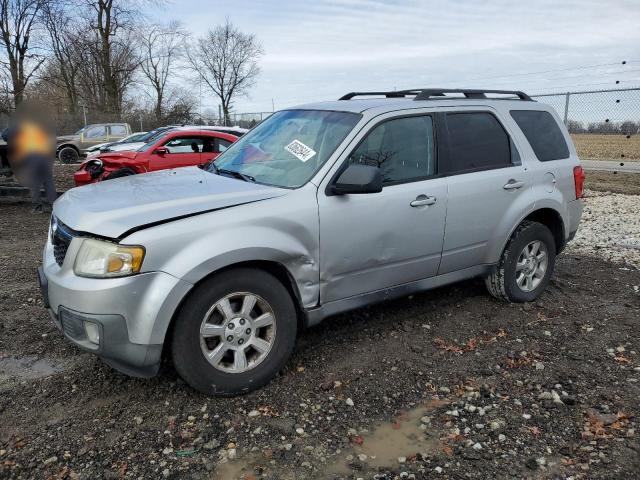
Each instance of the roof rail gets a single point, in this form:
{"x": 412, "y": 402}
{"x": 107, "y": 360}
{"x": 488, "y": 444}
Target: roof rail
{"x": 428, "y": 93}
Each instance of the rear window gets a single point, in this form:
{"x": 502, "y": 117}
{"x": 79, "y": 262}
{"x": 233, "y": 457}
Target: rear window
{"x": 543, "y": 134}
{"x": 477, "y": 141}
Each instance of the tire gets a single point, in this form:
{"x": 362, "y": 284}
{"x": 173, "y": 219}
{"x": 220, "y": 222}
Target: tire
{"x": 188, "y": 347}
{"x": 507, "y": 282}
{"x": 123, "y": 172}
{"x": 68, "y": 155}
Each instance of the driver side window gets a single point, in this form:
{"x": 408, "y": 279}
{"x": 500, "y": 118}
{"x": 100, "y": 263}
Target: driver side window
{"x": 184, "y": 145}
{"x": 402, "y": 148}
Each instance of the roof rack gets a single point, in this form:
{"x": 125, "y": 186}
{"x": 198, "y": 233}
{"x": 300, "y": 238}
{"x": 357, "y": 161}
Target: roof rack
{"x": 428, "y": 93}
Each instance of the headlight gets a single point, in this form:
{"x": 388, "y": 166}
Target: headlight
{"x": 100, "y": 259}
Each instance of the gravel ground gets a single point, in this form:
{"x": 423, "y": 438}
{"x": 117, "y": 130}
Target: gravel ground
{"x": 446, "y": 384}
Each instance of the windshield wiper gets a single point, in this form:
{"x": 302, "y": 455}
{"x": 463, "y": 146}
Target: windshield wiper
{"x": 211, "y": 165}
{"x": 233, "y": 173}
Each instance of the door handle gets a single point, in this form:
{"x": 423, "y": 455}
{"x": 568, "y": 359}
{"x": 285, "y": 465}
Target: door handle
{"x": 423, "y": 200}
{"x": 513, "y": 185}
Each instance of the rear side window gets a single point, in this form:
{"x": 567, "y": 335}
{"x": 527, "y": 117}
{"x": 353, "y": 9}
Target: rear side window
{"x": 477, "y": 141}
{"x": 543, "y": 134}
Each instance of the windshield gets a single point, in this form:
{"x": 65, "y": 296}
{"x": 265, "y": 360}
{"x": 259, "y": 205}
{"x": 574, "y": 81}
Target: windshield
{"x": 288, "y": 148}
{"x": 152, "y": 137}
{"x": 80, "y": 131}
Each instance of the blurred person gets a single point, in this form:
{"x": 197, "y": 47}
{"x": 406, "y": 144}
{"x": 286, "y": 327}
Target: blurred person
{"x": 32, "y": 150}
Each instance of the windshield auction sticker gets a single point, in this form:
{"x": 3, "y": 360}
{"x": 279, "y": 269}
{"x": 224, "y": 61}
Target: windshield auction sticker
{"x": 300, "y": 150}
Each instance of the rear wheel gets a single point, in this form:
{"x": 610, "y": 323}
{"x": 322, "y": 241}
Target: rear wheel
{"x": 68, "y": 155}
{"x": 526, "y": 265}
{"x": 234, "y": 333}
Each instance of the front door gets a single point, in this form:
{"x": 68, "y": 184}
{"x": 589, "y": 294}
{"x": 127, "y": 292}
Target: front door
{"x": 370, "y": 242}
{"x": 180, "y": 151}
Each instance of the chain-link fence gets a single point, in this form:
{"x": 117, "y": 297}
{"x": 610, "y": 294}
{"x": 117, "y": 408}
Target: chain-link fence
{"x": 604, "y": 124}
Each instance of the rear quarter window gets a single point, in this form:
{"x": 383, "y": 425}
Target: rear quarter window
{"x": 543, "y": 133}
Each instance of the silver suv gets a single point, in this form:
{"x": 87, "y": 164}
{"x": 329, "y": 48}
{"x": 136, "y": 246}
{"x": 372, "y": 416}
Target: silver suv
{"x": 318, "y": 210}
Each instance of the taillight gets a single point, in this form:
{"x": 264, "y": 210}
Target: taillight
{"x": 578, "y": 179}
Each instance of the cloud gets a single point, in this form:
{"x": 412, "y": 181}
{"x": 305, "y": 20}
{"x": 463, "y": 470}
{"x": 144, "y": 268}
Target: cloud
{"x": 321, "y": 49}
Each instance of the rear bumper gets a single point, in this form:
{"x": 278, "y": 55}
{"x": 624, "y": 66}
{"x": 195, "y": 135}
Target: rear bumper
{"x": 574, "y": 211}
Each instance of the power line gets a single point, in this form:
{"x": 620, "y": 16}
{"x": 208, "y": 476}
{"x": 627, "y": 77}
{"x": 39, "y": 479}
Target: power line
{"x": 584, "y": 67}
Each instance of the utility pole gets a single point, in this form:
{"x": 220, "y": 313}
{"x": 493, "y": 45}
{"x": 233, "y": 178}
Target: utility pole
{"x": 273, "y": 106}
{"x": 140, "y": 121}
{"x": 84, "y": 113}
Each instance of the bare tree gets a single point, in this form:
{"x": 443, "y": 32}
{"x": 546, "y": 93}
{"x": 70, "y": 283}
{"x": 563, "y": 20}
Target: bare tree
{"x": 19, "y": 20}
{"x": 226, "y": 60}
{"x": 66, "y": 44}
{"x": 112, "y": 23}
{"x": 161, "y": 49}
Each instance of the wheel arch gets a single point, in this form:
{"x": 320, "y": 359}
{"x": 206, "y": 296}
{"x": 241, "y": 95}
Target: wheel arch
{"x": 64, "y": 145}
{"x": 277, "y": 269}
{"x": 551, "y": 219}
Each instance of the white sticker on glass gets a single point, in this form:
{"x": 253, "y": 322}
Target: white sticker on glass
{"x": 300, "y": 150}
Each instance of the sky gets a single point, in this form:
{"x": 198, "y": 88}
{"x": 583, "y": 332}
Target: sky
{"x": 319, "y": 50}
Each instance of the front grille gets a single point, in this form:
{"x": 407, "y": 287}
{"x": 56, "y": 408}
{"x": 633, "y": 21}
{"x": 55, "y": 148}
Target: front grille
{"x": 61, "y": 237}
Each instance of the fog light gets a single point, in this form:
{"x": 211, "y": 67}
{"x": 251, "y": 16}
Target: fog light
{"x": 93, "y": 332}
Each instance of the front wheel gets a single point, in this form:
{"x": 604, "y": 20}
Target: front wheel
{"x": 234, "y": 333}
{"x": 526, "y": 265}
{"x": 68, "y": 155}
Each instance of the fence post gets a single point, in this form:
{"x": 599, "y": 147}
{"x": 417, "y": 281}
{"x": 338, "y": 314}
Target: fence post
{"x": 566, "y": 109}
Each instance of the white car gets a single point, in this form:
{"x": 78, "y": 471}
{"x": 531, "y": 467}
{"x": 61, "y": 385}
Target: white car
{"x": 131, "y": 142}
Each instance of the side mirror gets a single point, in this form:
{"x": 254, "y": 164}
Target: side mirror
{"x": 161, "y": 151}
{"x": 358, "y": 179}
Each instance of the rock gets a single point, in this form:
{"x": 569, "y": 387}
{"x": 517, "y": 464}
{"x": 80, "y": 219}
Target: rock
{"x": 138, "y": 420}
{"x": 254, "y": 413}
{"x": 444, "y": 390}
{"x": 299, "y": 431}
{"x": 539, "y": 366}
{"x": 166, "y": 472}
{"x": 50, "y": 460}
{"x": 502, "y": 437}
{"x": 191, "y": 418}
{"x": 526, "y": 416}
{"x": 477, "y": 446}
{"x": 453, "y": 413}
{"x": 349, "y": 402}
{"x": 425, "y": 420}
{"x": 362, "y": 457}
{"x": 438, "y": 469}
{"x": 402, "y": 459}
{"x": 531, "y": 463}
{"x": 231, "y": 453}
{"x": 167, "y": 451}
{"x": 211, "y": 444}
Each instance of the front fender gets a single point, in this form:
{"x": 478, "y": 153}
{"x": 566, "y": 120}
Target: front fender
{"x": 274, "y": 230}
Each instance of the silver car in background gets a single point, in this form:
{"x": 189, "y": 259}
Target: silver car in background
{"x": 318, "y": 210}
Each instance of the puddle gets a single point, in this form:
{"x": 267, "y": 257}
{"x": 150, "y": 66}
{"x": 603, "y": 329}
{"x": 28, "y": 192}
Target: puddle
{"x": 407, "y": 436}
{"x": 382, "y": 447}
{"x": 29, "y": 367}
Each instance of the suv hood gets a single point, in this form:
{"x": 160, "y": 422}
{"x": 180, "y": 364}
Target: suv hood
{"x": 113, "y": 207}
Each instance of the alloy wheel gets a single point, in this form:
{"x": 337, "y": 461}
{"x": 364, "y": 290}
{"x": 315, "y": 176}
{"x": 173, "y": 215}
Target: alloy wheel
{"x": 238, "y": 332}
{"x": 531, "y": 266}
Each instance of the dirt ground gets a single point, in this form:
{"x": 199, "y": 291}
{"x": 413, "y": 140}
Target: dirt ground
{"x": 447, "y": 384}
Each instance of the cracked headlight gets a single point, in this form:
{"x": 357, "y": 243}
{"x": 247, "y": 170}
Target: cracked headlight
{"x": 100, "y": 259}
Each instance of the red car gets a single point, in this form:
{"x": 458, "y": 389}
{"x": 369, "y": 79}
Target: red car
{"x": 175, "y": 148}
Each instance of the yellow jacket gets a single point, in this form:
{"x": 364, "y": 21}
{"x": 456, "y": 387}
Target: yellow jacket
{"x": 29, "y": 140}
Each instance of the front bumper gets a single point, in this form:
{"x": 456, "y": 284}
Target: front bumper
{"x": 132, "y": 313}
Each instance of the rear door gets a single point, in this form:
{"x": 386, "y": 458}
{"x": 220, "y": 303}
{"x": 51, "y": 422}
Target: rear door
{"x": 117, "y": 132}
{"x": 486, "y": 182}
{"x": 181, "y": 151}
{"x": 93, "y": 136}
